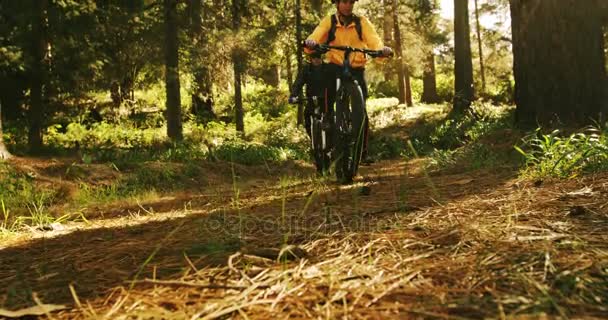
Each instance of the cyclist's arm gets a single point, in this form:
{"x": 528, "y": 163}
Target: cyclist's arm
{"x": 296, "y": 88}
{"x": 370, "y": 36}
{"x": 320, "y": 34}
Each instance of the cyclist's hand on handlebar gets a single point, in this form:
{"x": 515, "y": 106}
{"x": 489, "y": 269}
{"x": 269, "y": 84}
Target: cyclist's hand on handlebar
{"x": 310, "y": 44}
{"x": 293, "y": 99}
{"x": 387, "y": 51}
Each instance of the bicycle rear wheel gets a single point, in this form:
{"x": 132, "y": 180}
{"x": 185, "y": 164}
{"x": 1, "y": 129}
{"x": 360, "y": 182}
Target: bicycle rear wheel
{"x": 350, "y": 123}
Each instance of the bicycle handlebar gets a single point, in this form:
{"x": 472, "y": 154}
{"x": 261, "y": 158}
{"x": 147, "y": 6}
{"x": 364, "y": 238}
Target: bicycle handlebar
{"x": 323, "y": 48}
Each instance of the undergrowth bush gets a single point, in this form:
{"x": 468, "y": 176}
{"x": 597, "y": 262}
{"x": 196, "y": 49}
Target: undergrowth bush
{"x": 564, "y": 156}
{"x": 386, "y": 147}
{"x": 269, "y": 102}
{"x": 470, "y": 157}
{"x": 125, "y": 145}
{"x": 21, "y": 200}
{"x": 249, "y": 153}
{"x": 454, "y": 132}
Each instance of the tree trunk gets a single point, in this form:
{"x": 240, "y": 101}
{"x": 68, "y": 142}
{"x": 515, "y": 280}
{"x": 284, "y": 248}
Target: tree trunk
{"x": 401, "y": 81}
{"x": 481, "y": 65}
{"x": 173, "y": 102}
{"x": 463, "y": 65}
{"x": 238, "y": 64}
{"x": 239, "y": 113}
{"x": 4, "y": 154}
{"x": 288, "y": 66}
{"x": 429, "y": 82}
{"x": 408, "y": 86}
{"x": 559, "y": 68}
{"x": 38, "y": 76}
{"x": 202, "y": 90}
{"x": 387, "y": 27}
{"x": 300, "y": 53}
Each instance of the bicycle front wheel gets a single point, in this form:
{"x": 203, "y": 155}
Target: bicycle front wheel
{"x": 320, "y": 143}
{"x": 350, "y": 126}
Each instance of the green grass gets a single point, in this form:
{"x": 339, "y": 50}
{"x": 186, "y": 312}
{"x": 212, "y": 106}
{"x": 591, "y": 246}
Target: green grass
{"x": 559, "y": 155}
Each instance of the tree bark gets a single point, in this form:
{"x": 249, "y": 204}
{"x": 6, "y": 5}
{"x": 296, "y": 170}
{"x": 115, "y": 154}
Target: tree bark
{"x": 238, "y": 64}
{"x": 300, "y": 54}
{"x": 408, "y": 86}
{"x": 172, "y": 85}
{"x": 401, "y": 73}
{"x": 202, "y": 91}
{"x": 481, "y": 64}
{"x": 559, "y": 62}
{"x": 239, "y": 112}
{"x": 4, "y": 154}
{"x": 429, "y": 81}
{"x": 288, "y": 66}
{"x": 38, "y": 76}
{"x": 387, "y": 27}
{"x": 463, "y": 65}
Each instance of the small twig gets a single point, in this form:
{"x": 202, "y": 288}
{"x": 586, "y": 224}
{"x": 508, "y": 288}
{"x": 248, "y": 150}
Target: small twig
{"x": 193, "y": 285}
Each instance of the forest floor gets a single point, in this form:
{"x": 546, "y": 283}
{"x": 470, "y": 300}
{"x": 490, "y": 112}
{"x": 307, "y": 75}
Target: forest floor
{"x": 261, "y": 242}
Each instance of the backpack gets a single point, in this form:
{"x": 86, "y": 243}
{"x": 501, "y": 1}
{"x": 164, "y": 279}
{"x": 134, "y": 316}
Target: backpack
{"x": 331, "y": 36}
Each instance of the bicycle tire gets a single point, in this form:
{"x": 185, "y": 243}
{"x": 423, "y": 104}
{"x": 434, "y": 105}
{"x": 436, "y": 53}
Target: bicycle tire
{"x": 350, "y": 124}
{"x": 320, "y": 143}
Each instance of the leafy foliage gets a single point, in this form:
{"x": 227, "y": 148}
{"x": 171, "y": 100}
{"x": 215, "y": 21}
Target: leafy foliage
{"x": 555, "y": 155}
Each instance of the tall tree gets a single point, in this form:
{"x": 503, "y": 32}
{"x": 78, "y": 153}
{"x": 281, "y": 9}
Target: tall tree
{"x": 482, "y": 70}
{"x": 172, "y": 85}
{"x": 403, "y": 79}
{"x": 38, "y": 74}
{"x": 463, "y": 65}
{"x": 238, "y": 63}
{"x": 387, "y": 28}
{"x": 202, "y": 91}
{"x": 558, "y": 61}
{"x": 289, "y": 47}
{"x": 4, "y": 154}
{"x": 426, "y": 22}
{"x": 429, "y": 80}
{"x": 300, "y": 53}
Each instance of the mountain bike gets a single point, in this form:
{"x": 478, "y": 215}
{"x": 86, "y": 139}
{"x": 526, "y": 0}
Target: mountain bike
{"x": 346, "y": 127}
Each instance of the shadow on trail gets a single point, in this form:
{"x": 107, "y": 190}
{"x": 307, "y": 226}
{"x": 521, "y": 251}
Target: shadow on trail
{"x": 95, "y": 261}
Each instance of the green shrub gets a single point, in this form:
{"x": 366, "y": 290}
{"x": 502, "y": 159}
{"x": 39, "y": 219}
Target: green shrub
{"x": 445, "y": 86}
{"x": 386, "y": 147}
{"x": 283, "y": 133}
{"x": 454, "y": 132}
{"x": 19, "y": 195}
{"x": 384, "y": 89}
{"x": 554, "y": 155}
{"x": 443, "y": 158}
{"x": 270, "y": 102}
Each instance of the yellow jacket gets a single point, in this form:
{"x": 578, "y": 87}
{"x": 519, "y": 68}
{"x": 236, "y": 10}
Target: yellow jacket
{"x": 347, "y": 36}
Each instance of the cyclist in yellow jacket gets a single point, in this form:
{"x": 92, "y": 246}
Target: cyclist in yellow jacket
{"x": 346, "y": 29}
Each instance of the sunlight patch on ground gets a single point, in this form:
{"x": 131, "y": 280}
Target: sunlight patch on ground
{"x": 386, "y": 113}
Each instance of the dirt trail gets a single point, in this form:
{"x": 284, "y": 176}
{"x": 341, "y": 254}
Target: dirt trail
{"x": 396, "y": 244}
